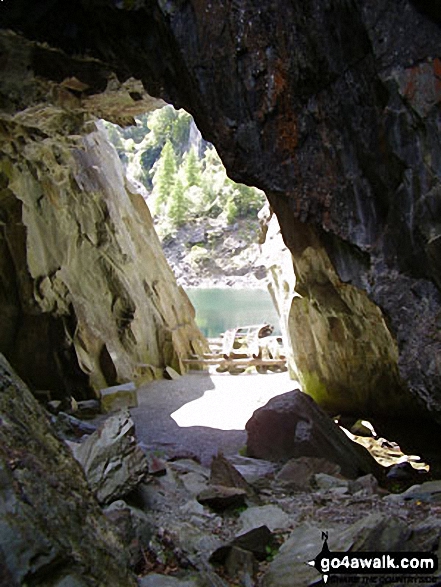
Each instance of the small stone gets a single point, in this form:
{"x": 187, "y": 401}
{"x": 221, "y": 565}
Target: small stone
{"x": 170, "y": 373}
{"x": 257, "y": 541}
{"x": 329, "y": 482}
{"x": 338, "y": 490}
{"x": 70, "y": 581}
{"x": 363, "y": 428}
{"x": 68, "y": 426}
{"x": 193, "y": 507}
{"x": 191, "y": 538}
{"x": 199, "y": 235}
{"x": 156, "y": 465}
{"x": 254, "y": 471}
{"x": 194, "y": 483}
{"x": 133, "y": 527}
{"x": 425, "y": 492}
{"x": 72, "y": 445}
{"x": 298, "y": 473}
{"x": 225, "y": 474}
{"x": 72, "y": 405}
{"x": 267, "y": 515}
{"x": 156, "y": 580}
{"x": 189, "y": 465}
{"x": 54, "y": 406}
{"x": 88, "y": 408}
{"x": 401, "y": 472}
{"x": 241, "y": 565}
{"x": 221, "y": 498}
{"x": 119, "y": 397}
{"x": 433, "y": 487}
{"x": 112, "y": 461}
{"x": 367, "y": 485}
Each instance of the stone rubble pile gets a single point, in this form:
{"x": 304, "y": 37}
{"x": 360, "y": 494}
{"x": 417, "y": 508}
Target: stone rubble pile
{"x": 136, "y": 517}
{"x": 247, "y": 521}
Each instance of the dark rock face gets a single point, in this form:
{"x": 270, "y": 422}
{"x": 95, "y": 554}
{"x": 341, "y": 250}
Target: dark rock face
{"x": 51, "y": 527}
{"x": 333, "y": 109}
{"x": 292, "y": 425}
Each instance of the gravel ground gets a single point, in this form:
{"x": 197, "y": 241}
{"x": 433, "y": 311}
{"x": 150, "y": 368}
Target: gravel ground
{"x": 202, "y": 413}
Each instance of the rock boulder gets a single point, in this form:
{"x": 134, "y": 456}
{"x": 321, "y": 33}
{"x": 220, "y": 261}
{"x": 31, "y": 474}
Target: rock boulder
{"x": 292, "y": 425}
{"x": 112, "y": 461}
{"x": 298, "y": 473}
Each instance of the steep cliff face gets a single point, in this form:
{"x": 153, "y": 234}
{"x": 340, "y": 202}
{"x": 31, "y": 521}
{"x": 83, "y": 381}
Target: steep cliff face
{"x": 333, "y": 109}
{"x": 87, "y": 296}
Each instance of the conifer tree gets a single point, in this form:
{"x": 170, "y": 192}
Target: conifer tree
{"x": 192, "y": 169}
{"x": 165, "y": 175}
{"x": 231, "y": 210}
{"x": 177, "y": 210}
{"x": 156, "y": 152}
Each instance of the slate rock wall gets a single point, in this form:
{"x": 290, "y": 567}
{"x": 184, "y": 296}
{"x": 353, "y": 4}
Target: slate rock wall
{"x": 88, "y": 299}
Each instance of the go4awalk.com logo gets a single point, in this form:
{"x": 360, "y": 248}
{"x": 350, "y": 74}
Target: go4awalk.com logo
{"x": 369, "y": 563}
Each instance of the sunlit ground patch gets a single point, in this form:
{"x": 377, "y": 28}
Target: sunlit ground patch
{"x": 232, "y": 403}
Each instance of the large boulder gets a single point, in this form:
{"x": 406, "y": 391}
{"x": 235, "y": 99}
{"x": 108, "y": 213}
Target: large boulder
{"x": 52, "y": 531}
{"x": 293, "y": 425}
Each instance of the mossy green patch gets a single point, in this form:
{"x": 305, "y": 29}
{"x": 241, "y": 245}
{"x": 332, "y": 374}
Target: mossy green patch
{"x": 243, "y": 451}
{"x": 313, "y": 386}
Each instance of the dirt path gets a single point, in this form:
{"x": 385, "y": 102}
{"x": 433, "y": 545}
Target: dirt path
{"x": 202, "y": 413}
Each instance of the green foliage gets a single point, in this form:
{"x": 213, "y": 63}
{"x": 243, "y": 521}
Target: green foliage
{"x": 198, "y": 256}
{"x": 184, "y": 182}
{"x": 114, "y": 135}
{"x": 164, "y": 177}
{"x": 160, "y": 122}
{"x": 249, "y": 201}
{"x": 271, "y": 551}
{"x": 231, "y": 210}
{"x": 177, "y": 209}
{"x": 192, "y": 169}
{"x": 168, "y": 124}
{"x": 198, "y": 202}
{"x": 236, "y": 511}
{"x": 243, "y": 451}
{"x": 147, "y": 160}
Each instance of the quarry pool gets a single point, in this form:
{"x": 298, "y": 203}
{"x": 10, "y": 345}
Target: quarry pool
{"x": 219, "y": 309}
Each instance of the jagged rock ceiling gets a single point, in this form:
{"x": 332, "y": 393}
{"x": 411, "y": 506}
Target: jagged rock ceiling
{"x": 331, "y": 107}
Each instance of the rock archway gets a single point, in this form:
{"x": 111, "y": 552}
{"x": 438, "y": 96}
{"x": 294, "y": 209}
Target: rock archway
{"x": 333, "y": 108}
